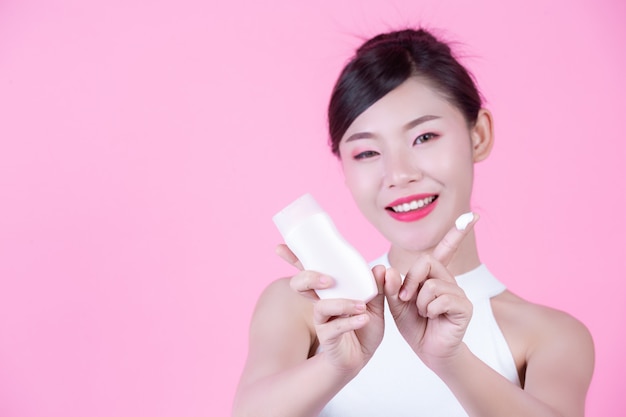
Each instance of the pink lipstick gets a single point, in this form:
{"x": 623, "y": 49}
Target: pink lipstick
{"x": 412, "y": 208}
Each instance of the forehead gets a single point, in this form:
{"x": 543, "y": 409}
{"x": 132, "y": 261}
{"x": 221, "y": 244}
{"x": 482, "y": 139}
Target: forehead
{"x": 410, "y": 100}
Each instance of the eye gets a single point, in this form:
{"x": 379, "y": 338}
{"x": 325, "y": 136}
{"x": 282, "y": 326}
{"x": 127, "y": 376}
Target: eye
{"x": 365, "y": 155}
{"x": 425, "y": 138}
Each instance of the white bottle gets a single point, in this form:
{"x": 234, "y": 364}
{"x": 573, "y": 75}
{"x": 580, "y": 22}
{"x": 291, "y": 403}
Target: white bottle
{"x": 312, "y": 236}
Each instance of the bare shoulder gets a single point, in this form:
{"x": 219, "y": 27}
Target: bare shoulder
{"x": 538, "y": 322}
{"x": 541, "y": 336}
{"x": 281, "y": 332}
{"x": 279, "y": 291}
{"x": 279, "y": 306}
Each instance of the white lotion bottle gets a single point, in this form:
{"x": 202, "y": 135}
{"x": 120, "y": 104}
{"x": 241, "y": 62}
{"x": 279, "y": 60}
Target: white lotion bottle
{"x": 312, "y": 236}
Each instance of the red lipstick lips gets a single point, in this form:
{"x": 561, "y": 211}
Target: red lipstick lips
{"x": 412, "y": 208}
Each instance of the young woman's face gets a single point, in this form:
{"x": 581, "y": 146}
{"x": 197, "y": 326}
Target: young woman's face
{"x": 408, "y": 162}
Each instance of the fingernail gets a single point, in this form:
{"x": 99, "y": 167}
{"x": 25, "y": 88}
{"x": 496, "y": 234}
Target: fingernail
{"x": 324, "y": 280}
{"x": 360, "y": 307}
{"x": 464, "y": 220}
{"x": 404, "y": 295}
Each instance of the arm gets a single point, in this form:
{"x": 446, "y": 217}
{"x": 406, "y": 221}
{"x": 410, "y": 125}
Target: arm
{"x": 558, "y": 373}
{"x": 279, "y": 379}
{"x": 432, "y": 313}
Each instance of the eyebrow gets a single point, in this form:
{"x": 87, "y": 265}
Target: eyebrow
{"x": 408, "y": 126}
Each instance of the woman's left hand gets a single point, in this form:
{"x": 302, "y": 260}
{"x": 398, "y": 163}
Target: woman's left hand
{"x": 430, "y": 309}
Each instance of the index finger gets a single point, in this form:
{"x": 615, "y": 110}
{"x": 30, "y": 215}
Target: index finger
{"x": 284, "y": 252}
{"x": 446, "y": 249}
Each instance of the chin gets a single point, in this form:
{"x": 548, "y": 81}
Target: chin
{"x": 413, "y": 240}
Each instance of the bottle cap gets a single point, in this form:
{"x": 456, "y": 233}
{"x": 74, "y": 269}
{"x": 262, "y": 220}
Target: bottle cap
{"x": 292, "y": 215}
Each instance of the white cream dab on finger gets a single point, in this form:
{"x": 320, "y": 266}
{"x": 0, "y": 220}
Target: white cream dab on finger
{"x": 464, "y": 220}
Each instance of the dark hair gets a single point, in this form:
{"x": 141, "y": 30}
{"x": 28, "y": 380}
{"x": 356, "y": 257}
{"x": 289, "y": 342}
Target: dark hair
{"x": 384, "y": 62}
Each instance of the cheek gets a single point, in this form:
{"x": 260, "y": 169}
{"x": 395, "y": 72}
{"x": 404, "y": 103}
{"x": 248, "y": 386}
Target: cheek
{"x": 355, "y": 184}
{"x": 459, "y": 177}
{"x": 457, "y": 164}
{"x": 360, "y": 183}
{"x": 454, "y": 169}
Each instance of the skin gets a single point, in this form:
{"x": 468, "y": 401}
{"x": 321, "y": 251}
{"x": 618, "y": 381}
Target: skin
{"x": 386, "y": 155}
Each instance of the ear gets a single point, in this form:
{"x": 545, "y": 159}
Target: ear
{"x": 482, "y": 135}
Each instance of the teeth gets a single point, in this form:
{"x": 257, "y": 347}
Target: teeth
{"x": 413, "y": 205}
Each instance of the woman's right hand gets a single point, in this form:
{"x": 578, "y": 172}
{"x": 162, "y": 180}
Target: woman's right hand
{"x": 349, "y": 331}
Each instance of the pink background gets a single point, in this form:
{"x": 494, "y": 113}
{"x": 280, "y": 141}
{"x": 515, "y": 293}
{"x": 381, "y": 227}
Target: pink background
{"x": 144, "y": 147}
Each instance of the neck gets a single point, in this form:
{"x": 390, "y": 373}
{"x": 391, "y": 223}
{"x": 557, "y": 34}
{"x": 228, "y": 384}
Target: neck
{"x": 464, "y": 260}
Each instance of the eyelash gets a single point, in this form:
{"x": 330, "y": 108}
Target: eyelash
{"x": 427, "y": 136}
{"x": 365, "y": 155}
{"x": 423, "y": 138}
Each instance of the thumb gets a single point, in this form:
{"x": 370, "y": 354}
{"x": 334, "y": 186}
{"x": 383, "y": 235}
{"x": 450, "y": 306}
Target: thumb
{"x": 393, "y": 283}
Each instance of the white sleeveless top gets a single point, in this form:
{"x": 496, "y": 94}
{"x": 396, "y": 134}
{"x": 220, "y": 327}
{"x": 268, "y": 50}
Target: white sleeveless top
{"x": 396, "y": 383}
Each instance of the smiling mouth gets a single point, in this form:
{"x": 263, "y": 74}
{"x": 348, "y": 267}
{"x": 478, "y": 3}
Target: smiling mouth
{"x": 413, "y": 205}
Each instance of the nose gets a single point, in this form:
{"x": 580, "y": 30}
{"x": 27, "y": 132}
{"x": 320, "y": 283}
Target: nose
{"x": 401, "y": 168}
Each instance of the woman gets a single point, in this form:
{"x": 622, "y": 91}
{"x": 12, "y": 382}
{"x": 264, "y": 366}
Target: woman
{"x": 407, "y": 124}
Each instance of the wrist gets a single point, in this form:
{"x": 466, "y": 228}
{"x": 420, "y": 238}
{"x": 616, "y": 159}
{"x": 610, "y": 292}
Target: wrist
{"x": 449, "y": 364}
{"x": 342, "y": 374}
